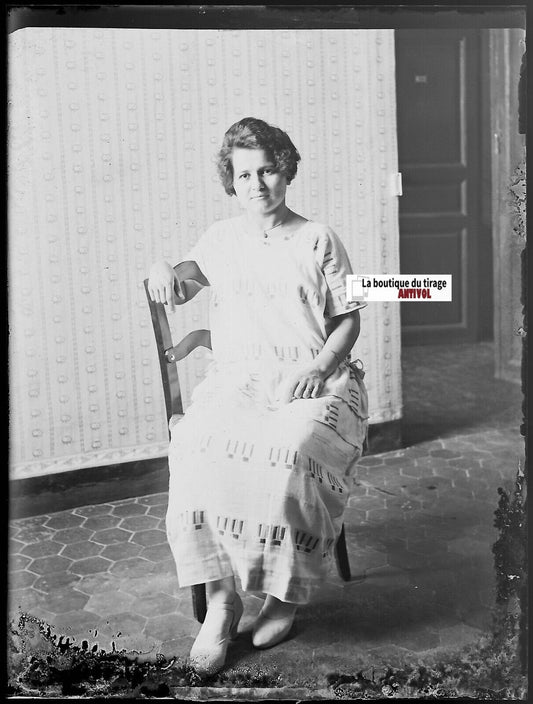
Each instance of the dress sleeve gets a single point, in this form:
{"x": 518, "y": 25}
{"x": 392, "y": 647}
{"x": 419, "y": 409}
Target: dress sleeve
{"x": 335, "y": 267}
{"x": 199, "y": 253}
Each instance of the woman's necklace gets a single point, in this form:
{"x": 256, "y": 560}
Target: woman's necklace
{"x": 266, "y": 235}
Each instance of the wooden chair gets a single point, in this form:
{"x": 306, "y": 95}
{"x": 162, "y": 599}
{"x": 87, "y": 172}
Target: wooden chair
{"x": 169, "y": 354}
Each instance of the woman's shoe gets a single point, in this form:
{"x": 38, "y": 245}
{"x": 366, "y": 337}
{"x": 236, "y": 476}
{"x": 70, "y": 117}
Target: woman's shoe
{"x": 269, "y": 631}
{"x": 208, "y": 653}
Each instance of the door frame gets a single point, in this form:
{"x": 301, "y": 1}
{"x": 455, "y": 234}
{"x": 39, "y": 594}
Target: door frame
{"x": 476, "y": 123}
{"x": 507, "y": 149}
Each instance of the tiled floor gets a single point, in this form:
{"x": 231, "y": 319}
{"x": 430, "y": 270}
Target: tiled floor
{"x": 419, "y": 532}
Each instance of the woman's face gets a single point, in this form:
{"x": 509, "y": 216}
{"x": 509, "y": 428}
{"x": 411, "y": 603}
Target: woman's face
{"x": 259, "y": 188}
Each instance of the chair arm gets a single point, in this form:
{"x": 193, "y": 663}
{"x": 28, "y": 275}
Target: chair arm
{"x": 192, "y": 280}
{"x": 197, "y": 338}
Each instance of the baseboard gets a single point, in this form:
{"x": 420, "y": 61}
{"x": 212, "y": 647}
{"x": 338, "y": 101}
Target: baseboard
{"x": 35, "y": 496}
{"x": 384, "y": 437}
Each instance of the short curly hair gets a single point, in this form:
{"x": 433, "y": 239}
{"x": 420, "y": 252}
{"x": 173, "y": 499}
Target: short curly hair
{"x": 252, "y": 133}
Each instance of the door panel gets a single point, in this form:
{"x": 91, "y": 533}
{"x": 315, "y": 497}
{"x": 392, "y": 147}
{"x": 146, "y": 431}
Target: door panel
{"x": 430, "y": 73}
{"x": 446, "y": 252}
{"x": 438, "y": 150}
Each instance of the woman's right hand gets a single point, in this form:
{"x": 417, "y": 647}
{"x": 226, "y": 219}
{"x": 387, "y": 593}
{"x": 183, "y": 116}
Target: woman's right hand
{"x": 164, "y": 285}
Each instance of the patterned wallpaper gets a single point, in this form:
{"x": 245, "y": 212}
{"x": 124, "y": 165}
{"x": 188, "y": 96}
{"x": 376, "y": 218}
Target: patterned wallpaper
{"x": 112, "y": 136}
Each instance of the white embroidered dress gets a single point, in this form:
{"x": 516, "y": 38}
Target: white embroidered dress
{"x": 258, "y": 487}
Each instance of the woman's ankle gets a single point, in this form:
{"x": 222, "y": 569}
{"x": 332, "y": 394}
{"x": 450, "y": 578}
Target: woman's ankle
{"x": 278, "y": 608}
{"x": 222, "y": 591}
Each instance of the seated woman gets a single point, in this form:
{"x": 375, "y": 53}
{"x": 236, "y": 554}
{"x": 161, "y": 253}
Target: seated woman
{"x": 261, "y": 464}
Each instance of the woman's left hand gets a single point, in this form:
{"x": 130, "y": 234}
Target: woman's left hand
{"x": 306, "y": 383}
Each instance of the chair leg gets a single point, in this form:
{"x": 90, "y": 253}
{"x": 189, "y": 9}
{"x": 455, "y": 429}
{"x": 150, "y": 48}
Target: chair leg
{"x": 199, "y": 602}
{"x": 341, "y": 557}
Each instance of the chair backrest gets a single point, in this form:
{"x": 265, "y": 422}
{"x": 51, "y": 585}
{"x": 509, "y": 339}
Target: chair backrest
{"x": 170, "y": 354}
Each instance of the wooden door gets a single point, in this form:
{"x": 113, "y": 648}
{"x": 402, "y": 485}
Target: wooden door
{"x": 438, "y": 83}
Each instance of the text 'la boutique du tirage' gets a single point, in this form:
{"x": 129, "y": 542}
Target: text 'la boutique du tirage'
{"x": 386, "y": 287}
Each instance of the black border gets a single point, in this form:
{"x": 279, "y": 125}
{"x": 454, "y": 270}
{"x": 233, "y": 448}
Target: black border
{"x": 379, "y": 15}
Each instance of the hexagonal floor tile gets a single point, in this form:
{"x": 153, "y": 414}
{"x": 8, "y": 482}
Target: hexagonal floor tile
{"x": 53, "y": 580}
{"x": 32, "y": 534}
{"x": 32, "y": 522}
{"x": 362, "y": 560}
{"x": 466, "y": 463}
{"x": 387, "y": 576}
{"x": 421, "y": 450}
{"x": 438, "y": 483}
{"x": 171, "y": 626}
{"x": 354, "y": 516}
{"x": 157, "y": 553}
{"x": 65, "y": 600}
{"x": 18, "y": 562}
{"x": 370, "y": 461}
{"x": 131, "y": 567}
{"x": 395, "y": 482}
{"x": 135, "y": 523}
{"x": 447, "y": 454}
{"x": 42, "y": 613}
{"x": 168, "y": 584}
{"x": 121, "y": 551}
{"x": 122, "y": 502}
{"x": 24, "y": 599}
{"x": 43, "y": 548}
{"x": 80, "y": 550}
{"x": 165, "y": 568}
{"x": 381, "y": 515}
{"x": 434, "y": 461}
{"x": 54, "y": 563}
{"x": 149, "y": 537}
{"x": 123, "y": 623}
{"x": 77, "y": 621}
{"x": 14, "y": 546}
{"x": 185, "y": 608}
{"x": 13, "y": 529}
{"x": 73, "y": 535}
{"x": 64, "y": 520}
{"x": 365, "y": 503}
{"x": 112, "y": 535}
{"x": 409, "y": 503}
{"x": 360, "y": 490}
{"x": 157, "y": 511}
{"x": 99, "y": 523}
{"x": 97, "y": 583}
{"x": 97, "y": 510}
{"x": 106, "y": 603}
{"x": 22, "y": 579}
{"x": 90, "y": 565}
{"x": 129, "y": 510}
{"x": 392, "y": 462}
{"x": 149, "y": 584}
{"x": 155, "y": 605}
